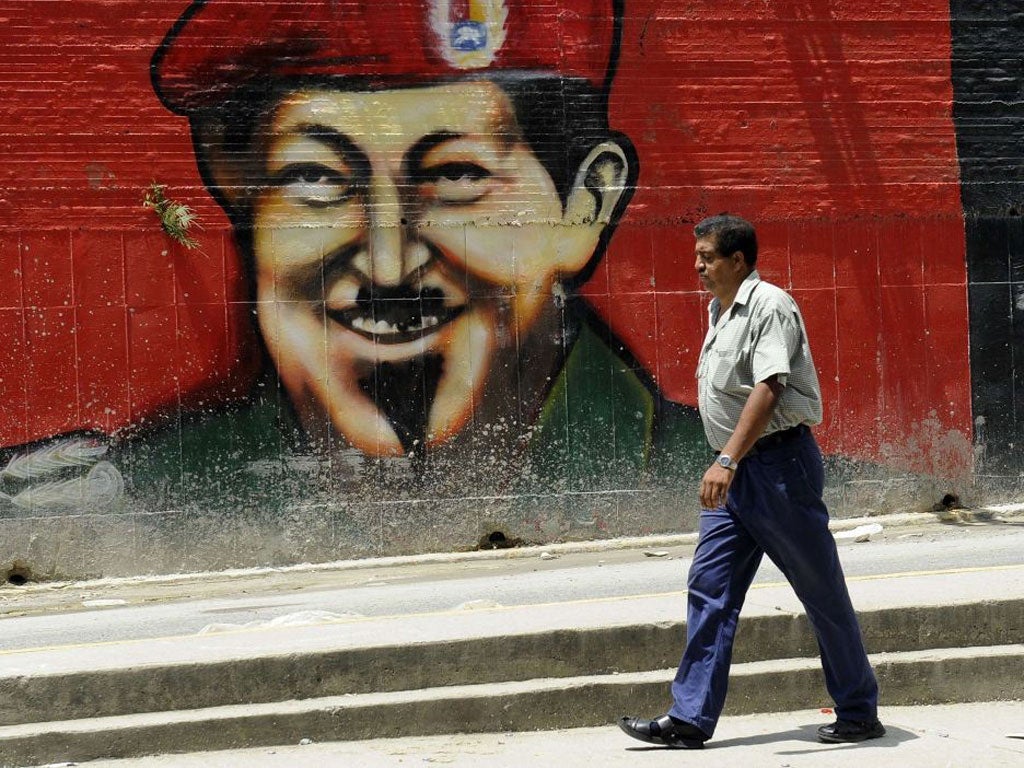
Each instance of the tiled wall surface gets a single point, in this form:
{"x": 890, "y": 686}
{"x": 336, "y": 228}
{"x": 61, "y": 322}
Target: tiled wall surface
{"x": 875, "y": 145}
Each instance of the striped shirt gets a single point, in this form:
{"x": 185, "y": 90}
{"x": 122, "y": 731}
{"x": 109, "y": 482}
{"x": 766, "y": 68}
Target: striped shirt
{"x": 762, "y": 334}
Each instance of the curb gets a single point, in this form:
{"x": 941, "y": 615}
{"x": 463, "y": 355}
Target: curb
{"x": 895, "y": 520}
{"x": 928, "y": 677}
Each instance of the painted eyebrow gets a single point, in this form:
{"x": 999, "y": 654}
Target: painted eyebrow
{"x": 414, "y": 157}
{"x": 332, "y": 138}
{"x": 343, "y": 146}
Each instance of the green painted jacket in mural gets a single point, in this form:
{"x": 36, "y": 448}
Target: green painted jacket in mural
{"x": 601, "y": 428}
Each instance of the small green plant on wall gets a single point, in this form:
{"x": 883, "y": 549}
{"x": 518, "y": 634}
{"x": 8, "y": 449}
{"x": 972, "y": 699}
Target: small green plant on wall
{"x": 175, "y": 218}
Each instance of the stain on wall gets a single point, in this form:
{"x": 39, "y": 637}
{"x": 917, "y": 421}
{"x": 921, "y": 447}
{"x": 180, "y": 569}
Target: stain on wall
{"x": 442, "y": 292}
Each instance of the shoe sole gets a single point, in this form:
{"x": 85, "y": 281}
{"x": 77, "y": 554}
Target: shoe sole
{"x": 660, "y": 742}
{"x": 850, "y": 739}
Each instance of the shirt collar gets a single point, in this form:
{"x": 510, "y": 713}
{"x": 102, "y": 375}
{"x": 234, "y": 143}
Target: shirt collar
{"x": 742, "y": 295}
{"x": 747, "y": 287}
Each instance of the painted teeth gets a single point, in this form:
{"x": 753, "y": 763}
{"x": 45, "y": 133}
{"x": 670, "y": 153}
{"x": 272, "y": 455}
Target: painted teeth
{"x": 384, "y": 328}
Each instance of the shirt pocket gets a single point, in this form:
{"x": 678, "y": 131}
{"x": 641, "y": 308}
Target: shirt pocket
{"x": 722, "y": 370}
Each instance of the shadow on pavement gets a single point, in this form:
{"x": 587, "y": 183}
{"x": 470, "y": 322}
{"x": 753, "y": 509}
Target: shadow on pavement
{"x": 893, "y": 738}
{"x": 805, "y": 733}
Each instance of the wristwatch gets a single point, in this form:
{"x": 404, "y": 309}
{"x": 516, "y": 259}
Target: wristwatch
{"x": 727, "y": 461}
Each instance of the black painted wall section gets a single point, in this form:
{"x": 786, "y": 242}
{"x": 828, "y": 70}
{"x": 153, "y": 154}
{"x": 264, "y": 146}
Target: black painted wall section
{"x": 988, "y": 110}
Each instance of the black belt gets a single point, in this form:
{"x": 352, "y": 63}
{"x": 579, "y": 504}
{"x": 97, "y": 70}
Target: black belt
{"x": 776, "y": 439}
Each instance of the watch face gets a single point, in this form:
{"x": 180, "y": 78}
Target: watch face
{"x": 724, "y": 461}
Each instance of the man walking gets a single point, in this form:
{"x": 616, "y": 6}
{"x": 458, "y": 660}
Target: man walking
{"x": 758, "y": 395}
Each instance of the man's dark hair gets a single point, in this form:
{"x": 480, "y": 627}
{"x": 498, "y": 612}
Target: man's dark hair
{"x": 731, "y": 234}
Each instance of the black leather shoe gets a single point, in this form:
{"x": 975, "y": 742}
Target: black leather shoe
{"x": 664, "y": 731}
{"x": 850, "y": 731}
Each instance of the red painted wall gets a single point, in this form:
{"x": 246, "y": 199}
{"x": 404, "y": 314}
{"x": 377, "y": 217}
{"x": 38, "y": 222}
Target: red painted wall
{"x": 828, "y": 123}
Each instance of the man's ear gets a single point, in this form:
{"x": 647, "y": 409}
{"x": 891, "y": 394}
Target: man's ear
{"x": 597, "y": 193}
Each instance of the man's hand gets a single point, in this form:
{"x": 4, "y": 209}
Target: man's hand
{"x": 714, "y": 486}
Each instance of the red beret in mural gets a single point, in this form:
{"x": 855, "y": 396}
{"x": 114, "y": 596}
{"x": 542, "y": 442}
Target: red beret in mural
{"x": 218, "y": 45}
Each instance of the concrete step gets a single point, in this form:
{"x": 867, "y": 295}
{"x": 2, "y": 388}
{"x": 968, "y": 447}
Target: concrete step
{"x": 906, "y": 677}
{"x": 199, "y": 672}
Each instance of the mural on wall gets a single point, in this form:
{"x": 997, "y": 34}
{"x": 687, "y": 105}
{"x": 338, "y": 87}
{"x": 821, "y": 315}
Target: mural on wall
{"x": 415, "y": 193}
{"x": 443, "y": 249}
{"x": 413, "y": 207}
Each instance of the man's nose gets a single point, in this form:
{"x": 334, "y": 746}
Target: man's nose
{"x": 393, "y": 253}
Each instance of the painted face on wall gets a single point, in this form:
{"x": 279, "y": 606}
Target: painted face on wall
{"x": 406, "y": 246}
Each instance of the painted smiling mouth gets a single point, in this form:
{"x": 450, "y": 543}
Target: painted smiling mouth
{"x": 393, "y": 316}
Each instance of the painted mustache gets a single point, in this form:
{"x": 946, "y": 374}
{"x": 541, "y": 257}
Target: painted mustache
{"x": 396, "y": 315}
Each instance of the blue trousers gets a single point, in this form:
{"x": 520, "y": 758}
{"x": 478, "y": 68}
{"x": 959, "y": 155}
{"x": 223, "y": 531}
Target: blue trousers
{"x": 774, "y": 506}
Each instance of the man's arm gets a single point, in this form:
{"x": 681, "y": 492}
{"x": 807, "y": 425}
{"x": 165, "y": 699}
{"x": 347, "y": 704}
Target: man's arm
{"x": 753, "y": 419}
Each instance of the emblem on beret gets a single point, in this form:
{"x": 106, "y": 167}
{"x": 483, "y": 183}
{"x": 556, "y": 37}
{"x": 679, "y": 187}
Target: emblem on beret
{"x": 469, "y": 33}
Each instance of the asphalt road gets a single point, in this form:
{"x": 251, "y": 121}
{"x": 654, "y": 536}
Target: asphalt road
{"x": 42, "y": 615}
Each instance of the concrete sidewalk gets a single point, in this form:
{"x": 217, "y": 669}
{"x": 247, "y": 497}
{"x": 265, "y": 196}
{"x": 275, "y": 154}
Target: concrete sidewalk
{"x": 909, "y": 591}
{"x": 553, "y": 638}
{"x": 953, "y": 736}
{"x": 569, "y": 598}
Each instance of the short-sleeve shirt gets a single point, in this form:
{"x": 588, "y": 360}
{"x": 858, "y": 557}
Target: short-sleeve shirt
{"x": 761, "y": 335}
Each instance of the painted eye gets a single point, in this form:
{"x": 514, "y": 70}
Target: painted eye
{"x": 314, "y": 184}
{"x": 457, "y": 183}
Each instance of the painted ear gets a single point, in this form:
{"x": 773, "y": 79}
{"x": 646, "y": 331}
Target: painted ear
{"x": 597, "y": 193}
{"x": 599, "y": 185}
